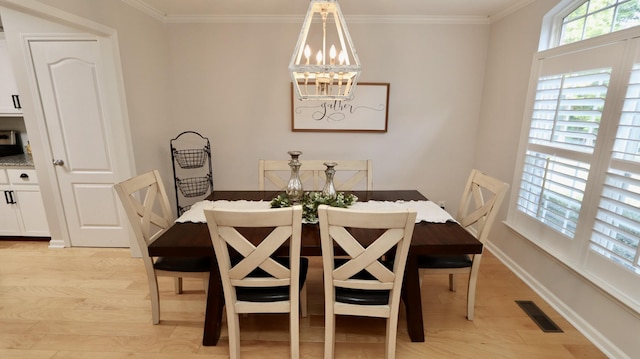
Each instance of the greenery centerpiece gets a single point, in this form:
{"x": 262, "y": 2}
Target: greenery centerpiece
{"x": 311, "y": 200}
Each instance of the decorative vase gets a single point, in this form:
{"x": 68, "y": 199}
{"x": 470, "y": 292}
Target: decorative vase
{"x": 294, "y": 187}
{"x": 329, "y": 190}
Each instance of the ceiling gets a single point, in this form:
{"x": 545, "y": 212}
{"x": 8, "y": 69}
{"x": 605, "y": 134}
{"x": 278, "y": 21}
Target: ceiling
{"x": 446, "y": 8}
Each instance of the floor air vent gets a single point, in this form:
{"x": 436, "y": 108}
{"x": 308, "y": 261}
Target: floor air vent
{"x": 538, "y": 316}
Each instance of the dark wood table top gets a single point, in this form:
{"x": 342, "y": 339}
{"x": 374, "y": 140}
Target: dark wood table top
{"x": 192, "y": 239}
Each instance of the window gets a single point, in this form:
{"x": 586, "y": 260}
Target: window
{"x": 578, "y": 195}
{"x": 598, "y": 17}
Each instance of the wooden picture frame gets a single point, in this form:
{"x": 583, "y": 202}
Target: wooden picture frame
{"x": 367, "y": 112}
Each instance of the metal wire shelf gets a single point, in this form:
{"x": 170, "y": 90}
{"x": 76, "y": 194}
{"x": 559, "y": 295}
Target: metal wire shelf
{"x": 191, "y": 161}
{"x": 193, "y": 186}
{"x": 191, "y": 158}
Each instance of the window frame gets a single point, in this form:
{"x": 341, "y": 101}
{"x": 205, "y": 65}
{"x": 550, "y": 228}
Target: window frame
{"x": 552, "y": 22}
{"x": 575, "y": 253}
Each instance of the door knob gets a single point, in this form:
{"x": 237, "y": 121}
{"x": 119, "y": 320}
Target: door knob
{"x": 58, "y": 162}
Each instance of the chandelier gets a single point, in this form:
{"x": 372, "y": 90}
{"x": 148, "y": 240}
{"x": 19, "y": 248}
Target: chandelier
{"x": 319, "y": 73}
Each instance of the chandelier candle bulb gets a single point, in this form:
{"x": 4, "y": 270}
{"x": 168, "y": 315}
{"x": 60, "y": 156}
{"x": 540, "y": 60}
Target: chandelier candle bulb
{"x": 307, "y": 53}
{"x": 332, "y": 55}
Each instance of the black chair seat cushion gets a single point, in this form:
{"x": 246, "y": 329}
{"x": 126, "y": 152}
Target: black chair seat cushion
{"x": 271, "y": 294}
{"x": 361, "y": 296}
{"x": 183, "y": 264}
{"x": 456, "y": 261}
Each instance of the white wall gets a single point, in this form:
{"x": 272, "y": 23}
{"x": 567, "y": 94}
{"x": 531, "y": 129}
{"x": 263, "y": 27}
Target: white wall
{"x": 513, "y": 41}
{"x": 230, "y": 83}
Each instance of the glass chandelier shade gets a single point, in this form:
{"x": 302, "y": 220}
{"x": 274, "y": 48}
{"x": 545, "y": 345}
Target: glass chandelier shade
{"x": 324, "y": 65}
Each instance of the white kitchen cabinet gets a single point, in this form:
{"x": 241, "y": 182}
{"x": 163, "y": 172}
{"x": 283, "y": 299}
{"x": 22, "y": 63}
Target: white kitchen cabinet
{"x": 8, "y": 215}
{"x": 9, "y": 99}
{"x": 21, "y": 207}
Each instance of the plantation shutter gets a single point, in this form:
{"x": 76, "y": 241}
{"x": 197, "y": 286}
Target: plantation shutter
{"x": 577, "y": 192}
{"x": 616, "y": 231}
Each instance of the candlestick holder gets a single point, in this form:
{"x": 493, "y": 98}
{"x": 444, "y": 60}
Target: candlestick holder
{"x": 329, "y": 191}
{"x": 294, "y": 188}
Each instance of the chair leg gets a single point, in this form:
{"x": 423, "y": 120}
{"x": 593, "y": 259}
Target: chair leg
{"x": 452, "y": 282}
{"x": 329, "y": 335}
{"x": 205, "y": 282}
{"x": 294, "y": 329}
{"x": 233, "y": 327}
{"x": 155, "y": 300}
{"x": 471, "y": 289}
{"x": 303, "y": 301}
{"x": 177, "y": 283}
{"x": 390, "y": 343}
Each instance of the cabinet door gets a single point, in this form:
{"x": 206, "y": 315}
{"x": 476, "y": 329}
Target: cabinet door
{"x": 9, "y": 102}
{"x": 31, "y": 211}
{"x": 9, "y": 225}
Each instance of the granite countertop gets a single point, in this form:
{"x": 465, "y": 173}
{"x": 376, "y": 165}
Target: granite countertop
{"x": 23, "y": 160}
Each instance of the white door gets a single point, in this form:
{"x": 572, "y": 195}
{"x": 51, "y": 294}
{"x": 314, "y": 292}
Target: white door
{"x": 81, "y": 127}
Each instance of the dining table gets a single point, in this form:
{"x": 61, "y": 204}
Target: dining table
{"x": 192, "y": 239}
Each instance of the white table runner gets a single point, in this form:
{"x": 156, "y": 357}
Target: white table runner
{"x": 428, "y": 211}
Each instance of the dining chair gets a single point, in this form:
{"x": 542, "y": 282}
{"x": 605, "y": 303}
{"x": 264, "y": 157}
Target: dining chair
{"x": 361, "y": 283}
{"x": 349, "y": 174}
{"x": 257, "y": 277}
{"x": 146, "y": 204}
{"x": 478, "y": 208}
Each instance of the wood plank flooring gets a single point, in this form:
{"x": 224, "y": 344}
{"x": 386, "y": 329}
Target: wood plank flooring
{"x": 79, "y": 303}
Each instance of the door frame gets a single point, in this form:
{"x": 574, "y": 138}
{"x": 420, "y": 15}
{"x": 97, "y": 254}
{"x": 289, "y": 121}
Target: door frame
{"x": 80, "y": 29}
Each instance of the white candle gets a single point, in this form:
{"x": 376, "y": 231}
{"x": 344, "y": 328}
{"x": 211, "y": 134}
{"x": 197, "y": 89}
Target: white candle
{"x": 332, "y": 55}
{"x": 307, "y": 53}
{"x": 343, "y": 56}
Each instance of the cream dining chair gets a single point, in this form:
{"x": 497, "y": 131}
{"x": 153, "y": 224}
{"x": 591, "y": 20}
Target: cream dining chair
{"x": 147, "y": 206}
{"x": 478, "y": 208}
{"x": 259, "y": 278}
{"x": 361, "y": 283}
{"x": 350, "y": 174}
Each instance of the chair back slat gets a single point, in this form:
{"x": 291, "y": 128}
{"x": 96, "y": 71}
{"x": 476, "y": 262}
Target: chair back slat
{"x": 224, "y": 224}
{"x": 480, "y": 202}
{"x": 365, "y": 259}
{"x": 146, "y": 204}
{"x": 334, "y": 228}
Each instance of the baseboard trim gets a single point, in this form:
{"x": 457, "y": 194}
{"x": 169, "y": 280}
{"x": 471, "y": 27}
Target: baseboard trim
{"x": 590, "y": 332}
{"x": 56, "y": 244}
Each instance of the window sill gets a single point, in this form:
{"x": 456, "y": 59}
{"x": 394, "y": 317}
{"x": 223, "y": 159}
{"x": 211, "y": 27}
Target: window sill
{"x": 631, "y": 305}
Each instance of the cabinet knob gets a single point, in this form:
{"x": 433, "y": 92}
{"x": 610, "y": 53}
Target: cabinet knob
{"x": 58, "y": 162}
{"x": 24, "y": 175}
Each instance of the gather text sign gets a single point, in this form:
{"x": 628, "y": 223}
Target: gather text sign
{"x": 366, "y": 112}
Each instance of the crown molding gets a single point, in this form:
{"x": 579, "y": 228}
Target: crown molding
{"x": 145, "y": 8}
{"x": 510, "y": 10}
{"x": 297, "y": 19}
{"x": 353, "y": 19}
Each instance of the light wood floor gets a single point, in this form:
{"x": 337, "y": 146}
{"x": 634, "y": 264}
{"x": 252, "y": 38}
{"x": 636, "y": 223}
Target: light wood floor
{"x": 80, "y": 303}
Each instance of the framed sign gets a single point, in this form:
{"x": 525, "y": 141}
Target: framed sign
{"x": 368, "y": 111}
